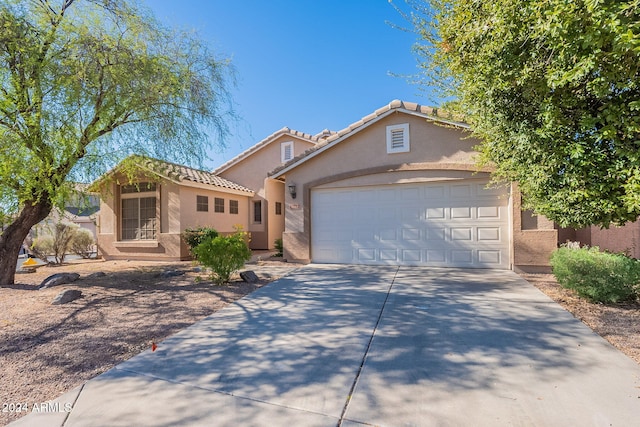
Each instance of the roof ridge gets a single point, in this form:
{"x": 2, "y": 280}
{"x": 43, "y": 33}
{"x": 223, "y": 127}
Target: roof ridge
{"x": 183, "y": 172}
{"x": 258, "y": 145}
{"x": 395, "y": 104}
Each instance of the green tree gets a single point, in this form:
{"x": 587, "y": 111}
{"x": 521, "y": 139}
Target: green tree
{"x": 552, "y": 89}
{"x": 83, "y": 83}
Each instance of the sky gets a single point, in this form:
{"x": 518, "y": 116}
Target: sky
{"x": 308, "y": 65}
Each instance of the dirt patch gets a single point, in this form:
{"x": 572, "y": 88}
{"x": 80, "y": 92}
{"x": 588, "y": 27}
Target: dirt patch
{"x": 617, "y": 323}
{"x": 46, "y": 350}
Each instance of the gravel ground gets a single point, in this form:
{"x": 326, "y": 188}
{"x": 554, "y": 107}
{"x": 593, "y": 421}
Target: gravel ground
{"x": 46, "y": 350}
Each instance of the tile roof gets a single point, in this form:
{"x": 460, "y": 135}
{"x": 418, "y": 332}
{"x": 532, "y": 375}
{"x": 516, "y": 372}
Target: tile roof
{"x": 409, "y": 107}
{"x": 284, "y": 131}
{"x": 181, "y": 173}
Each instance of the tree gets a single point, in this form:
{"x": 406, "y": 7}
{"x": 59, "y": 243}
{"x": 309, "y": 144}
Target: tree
{"x": 83, "y": 83}
{"x": 552, "y": 88}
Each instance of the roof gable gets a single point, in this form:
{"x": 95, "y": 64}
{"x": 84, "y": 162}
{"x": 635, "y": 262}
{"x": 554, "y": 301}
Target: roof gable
{"x": 313, "y": 139}
{"x": 337, "y": 137}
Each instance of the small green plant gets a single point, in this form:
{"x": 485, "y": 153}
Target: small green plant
{"x": 224, "y": 255}
{"x": 598, "y": 276}
{"x": 279, "y": 247}
{"x": 195, "y": 236}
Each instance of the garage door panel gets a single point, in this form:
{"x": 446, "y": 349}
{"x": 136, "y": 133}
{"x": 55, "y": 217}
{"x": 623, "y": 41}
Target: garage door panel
{"x": 443, "y": 224}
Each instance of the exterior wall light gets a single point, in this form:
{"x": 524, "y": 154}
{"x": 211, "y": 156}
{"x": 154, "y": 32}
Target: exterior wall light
{"x": 292, "y": 190}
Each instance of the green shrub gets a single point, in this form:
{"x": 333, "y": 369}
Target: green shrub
{"x": 82, "y": 243}
{"x": 42, "y": 247}
{"x": 195, "y": 236}
{"x": 224, "y": 255}
{"x": 279, "y": 247}
{"x": 598, "y": 276}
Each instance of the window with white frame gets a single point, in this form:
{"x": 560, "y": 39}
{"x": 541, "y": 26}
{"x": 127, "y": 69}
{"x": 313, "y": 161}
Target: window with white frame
{"x": 286, "y": 151}
{"x": 138, "y": 211}
{"x": 398, "y": 138}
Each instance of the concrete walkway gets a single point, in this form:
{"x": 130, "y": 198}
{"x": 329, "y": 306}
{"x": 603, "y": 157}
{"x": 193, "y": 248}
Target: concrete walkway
{"x": 356, "y": 345}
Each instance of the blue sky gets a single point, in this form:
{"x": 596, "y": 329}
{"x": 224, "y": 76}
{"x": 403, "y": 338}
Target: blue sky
{"x": 305, "y": 64}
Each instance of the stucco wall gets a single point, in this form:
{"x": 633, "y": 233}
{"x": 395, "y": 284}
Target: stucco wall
{"x": 251, "y": 172}
{"x": 222, "y": 222}
{"x": 437, "y": 153}
{"x": 615, "y": 239}
{"x": 176, "y": 210}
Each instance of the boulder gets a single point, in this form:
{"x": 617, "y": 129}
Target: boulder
{"x": 171, "y": 273}
{"x": 249, "y": 276}
{"x": 58, "y": 279}
{"x": 66, "y": 296}
{"x": 96, "y": 274}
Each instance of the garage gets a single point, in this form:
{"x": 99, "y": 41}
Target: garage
{"x": 461, "y": 223}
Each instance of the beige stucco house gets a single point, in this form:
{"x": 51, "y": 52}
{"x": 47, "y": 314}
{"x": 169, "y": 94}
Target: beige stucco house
{"x": 401, "y": 186}
{"x": 250, "y": 169}
{"x": 145, "y": 220}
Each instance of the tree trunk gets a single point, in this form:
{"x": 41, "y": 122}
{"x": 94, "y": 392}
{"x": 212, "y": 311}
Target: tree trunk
{"x": 13, "y": 236}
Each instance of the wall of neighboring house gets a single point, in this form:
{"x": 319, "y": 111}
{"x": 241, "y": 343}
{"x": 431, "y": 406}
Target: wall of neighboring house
{"x": 437, "y": 153}
{"x": 251, "y": 172}
{"x": 176, "y": 210}
{"x": 625, "y": 239}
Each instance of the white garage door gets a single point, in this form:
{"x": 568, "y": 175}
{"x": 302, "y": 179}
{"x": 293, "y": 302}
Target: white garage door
{"x": 461, "y": 224}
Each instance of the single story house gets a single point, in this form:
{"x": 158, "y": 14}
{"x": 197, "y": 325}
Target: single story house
{"x": 399, "y": 186}
{"x": 144, "y": 220}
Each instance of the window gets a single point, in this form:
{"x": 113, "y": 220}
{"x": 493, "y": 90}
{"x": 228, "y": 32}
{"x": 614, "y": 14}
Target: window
{"x": 398, "y": 138}
{"x": 257, "y": 212}
{"x": 286, "y": 151}
{"x": 233, "y": 207}
{"x": 202, "y": 203}
{"x": 138, "y": 212}
{"x": 278, "y": 208}
{"x": 218, "y": 205}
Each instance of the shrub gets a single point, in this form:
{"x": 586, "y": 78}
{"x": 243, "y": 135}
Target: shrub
{"x": 62, "y": 236}
{"x": 224, "y": 255}
{"x": 82, "y": 243}
{"x": 279, "y": 247}
{"x": 195, "y": 236}
{"x": 598, "y": 276}
{"x": 42, "y": 247}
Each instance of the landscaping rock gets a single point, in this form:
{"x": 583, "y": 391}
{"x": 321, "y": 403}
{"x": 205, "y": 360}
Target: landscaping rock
{"x": 66, "y": 296}
{"x": 249, "y": 276}
{"x": 171, "y": 273}
{"x": 58, "y": 279}
{"x": 96, "y": 274}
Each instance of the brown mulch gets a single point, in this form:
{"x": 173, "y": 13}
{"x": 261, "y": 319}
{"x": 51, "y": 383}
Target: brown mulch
{"x": 617, "y": 323}
{"x": 47, "y": 350}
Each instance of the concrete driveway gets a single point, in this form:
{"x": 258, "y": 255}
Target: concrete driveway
{"x": 356, "y": 345}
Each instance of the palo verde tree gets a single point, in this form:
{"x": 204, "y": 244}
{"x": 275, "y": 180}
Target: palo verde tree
{"x": 552, "y": 88}
{"x": 85, "y": 82}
